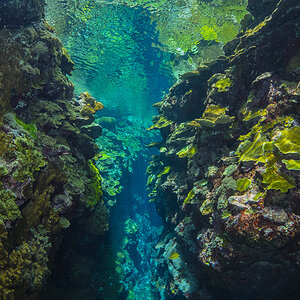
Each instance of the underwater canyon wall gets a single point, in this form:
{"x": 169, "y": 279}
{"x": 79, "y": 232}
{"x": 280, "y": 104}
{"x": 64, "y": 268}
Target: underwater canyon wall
{"x": 47, "y": 176}
{"x": 226, "y": 181}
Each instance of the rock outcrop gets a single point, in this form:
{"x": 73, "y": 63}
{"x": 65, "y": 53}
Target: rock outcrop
{"x": 47, "y": 175}
{"x": 227, "y": 179}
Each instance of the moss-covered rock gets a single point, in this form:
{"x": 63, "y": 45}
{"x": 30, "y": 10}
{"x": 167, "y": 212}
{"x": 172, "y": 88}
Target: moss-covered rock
{"x": 44, "y": 168}
{"x": 240, "y": 187}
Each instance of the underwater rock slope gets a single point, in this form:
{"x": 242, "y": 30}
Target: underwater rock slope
{"x": 46, "y": 172}
{"x": 226, "y": 181}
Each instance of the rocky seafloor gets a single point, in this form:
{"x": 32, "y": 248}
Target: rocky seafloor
{"x": 225, "y": 182}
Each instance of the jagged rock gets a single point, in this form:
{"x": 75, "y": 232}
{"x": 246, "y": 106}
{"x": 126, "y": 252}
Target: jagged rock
{"x": 44, "y": 169}
{"x": 238, "y": 187}
{"x": 16, "y": 13}
{"x": 93, "y": 130}
{"x": 261, "y": 8}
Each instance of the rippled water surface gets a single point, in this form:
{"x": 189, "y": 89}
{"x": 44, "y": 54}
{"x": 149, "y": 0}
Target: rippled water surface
{"x": 129, "y": 52}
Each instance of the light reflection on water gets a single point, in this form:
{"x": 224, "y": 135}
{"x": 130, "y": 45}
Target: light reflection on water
{"x": 115, "y": 60}
{"x": 128, "y": 52}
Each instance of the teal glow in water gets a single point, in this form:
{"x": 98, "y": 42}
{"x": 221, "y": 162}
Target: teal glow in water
{"x": 135, "y": 230}
{"x": 127, "y": 54}
{"x": 116, "y": 60}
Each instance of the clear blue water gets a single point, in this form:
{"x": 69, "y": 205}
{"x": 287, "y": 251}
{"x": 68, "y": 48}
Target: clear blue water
{"x": 117, "y": 59}
{"x": 127, "y": 55}
{"x": 137, "y": 268}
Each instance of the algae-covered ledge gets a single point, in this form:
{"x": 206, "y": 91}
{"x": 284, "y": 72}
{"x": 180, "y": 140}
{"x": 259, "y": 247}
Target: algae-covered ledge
{"x": 226, "y": 180}
{"x": 46, "y": 168}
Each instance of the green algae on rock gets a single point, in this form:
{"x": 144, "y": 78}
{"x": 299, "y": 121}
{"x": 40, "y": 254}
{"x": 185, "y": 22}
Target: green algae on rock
{"x": 249, "y": 200}
{"x": 130, "y": 227}
{"x": 121, "y": 143}
{"x": 243, "y": 184}
{"x": 213, "y": 116}
{"x": 43, "y": 171}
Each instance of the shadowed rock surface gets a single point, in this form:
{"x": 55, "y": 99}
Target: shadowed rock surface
{"x": 230, "y": 196}
{"x": 46, "y": 177}
{"x": 225, "y": 180}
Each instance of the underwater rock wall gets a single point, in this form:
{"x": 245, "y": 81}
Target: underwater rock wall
{"x": 47, "y": 176}
{"x": 114, "y": 265}
{"x": 226, "y": 181}
{"x": 16, "y": 13}
{"x": 121, "y": 144}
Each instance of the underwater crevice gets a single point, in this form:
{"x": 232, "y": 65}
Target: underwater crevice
{"x": 88, "y": 211}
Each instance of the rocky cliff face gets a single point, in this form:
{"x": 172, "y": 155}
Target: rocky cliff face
{"x": 226, "y": 180}
{"x": 47, "y": 176}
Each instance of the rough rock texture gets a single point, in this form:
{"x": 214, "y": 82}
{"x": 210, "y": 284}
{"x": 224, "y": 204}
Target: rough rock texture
{"x": 260, "y": 9}
{"x": 226, "y": 181}
{"x": 15, "y": 13}
{"x": 47, "y": 175}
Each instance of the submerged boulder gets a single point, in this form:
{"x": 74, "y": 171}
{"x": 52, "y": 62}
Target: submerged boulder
{"x": 110, "y": 123}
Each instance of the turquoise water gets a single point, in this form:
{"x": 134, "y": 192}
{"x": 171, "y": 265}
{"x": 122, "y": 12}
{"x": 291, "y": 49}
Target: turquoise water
{"x": 127, "y": 55}
{"x": 116, "y": 60}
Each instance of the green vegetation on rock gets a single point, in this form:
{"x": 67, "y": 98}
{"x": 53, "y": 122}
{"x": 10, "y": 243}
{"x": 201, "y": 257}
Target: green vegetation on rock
{"x": 190, "y": 196}
{"x": 213, "y": 116}
{"x": 165, "y": 171}
{"x": 8, "y": 208}
{"x": 292, "y": 164}
{"x": 289, "y": 140}
{"x": 93, "y": 191}
{"x": 30, "y": 128}
{"x": 223, "y": 84}
{"x": 188, "y": 151}
{"x": 277, "y": 181}
{"x": 29, "y": 159}
{"x": 162, "y": 122}
{"x": 243, "y": 184}
{"x": 262, "y": 145}
{"x": 131, "y": 226}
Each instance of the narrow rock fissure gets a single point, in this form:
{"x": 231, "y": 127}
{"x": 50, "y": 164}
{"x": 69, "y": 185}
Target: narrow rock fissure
{"x": 149, "y": 149}
{"x": 120, "y": 264}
